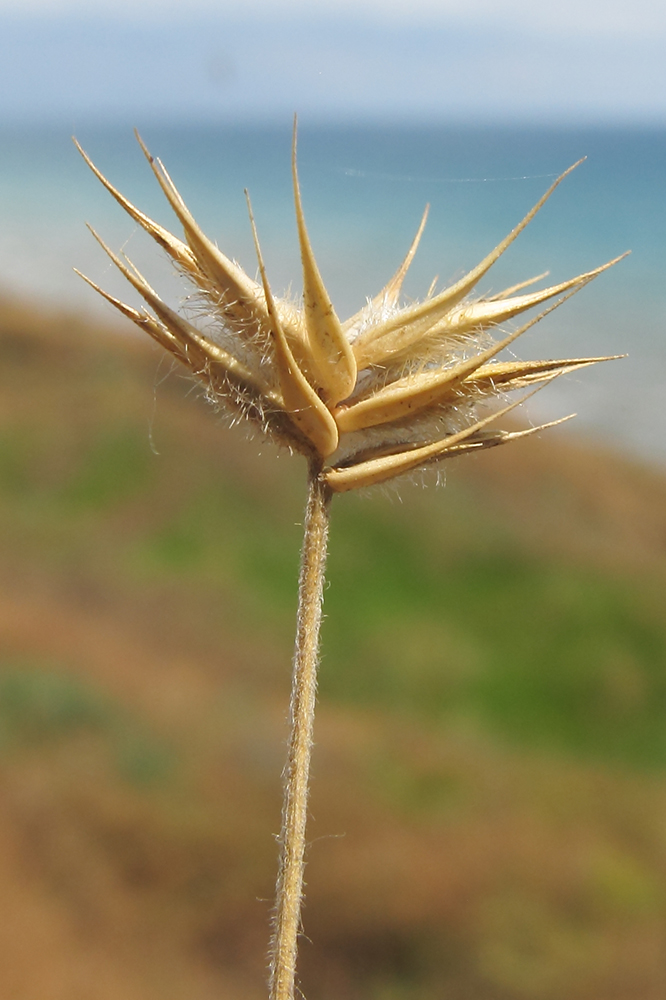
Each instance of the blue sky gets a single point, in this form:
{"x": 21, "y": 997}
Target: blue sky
{"x": 576, "y": 60}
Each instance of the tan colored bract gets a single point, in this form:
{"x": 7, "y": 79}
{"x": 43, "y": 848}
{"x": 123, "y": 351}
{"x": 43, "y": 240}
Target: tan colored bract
{"x": 389, "y": 391}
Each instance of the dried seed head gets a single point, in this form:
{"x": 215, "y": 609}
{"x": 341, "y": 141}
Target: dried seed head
{"x": 389, "y": 391}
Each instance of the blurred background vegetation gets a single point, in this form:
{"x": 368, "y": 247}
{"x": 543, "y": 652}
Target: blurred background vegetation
{"x": 488, "y": 807}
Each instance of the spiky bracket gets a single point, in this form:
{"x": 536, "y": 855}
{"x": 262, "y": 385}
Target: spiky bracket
{"x": 370, "y": 396}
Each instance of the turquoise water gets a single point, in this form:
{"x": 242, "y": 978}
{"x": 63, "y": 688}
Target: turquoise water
{"x": 364, "y": 191}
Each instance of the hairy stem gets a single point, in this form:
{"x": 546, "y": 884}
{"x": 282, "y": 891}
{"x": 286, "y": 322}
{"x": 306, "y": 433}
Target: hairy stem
{"x": 289, "y": 891}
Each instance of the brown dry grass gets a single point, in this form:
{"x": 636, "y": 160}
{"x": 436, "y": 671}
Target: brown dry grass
{"x": 445, "y": 861}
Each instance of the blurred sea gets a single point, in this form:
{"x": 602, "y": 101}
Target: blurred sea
{"x": 364, "y": 190}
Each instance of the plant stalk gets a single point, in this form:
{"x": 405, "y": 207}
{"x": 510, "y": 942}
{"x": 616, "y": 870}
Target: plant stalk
{"x": 289, "y": 889}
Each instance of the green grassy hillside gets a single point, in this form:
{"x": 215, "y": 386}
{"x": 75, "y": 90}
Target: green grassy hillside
{"x": 489, "y": 777}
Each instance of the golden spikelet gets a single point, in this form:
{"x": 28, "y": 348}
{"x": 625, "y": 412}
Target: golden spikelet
{"x": 390, "y": 390}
